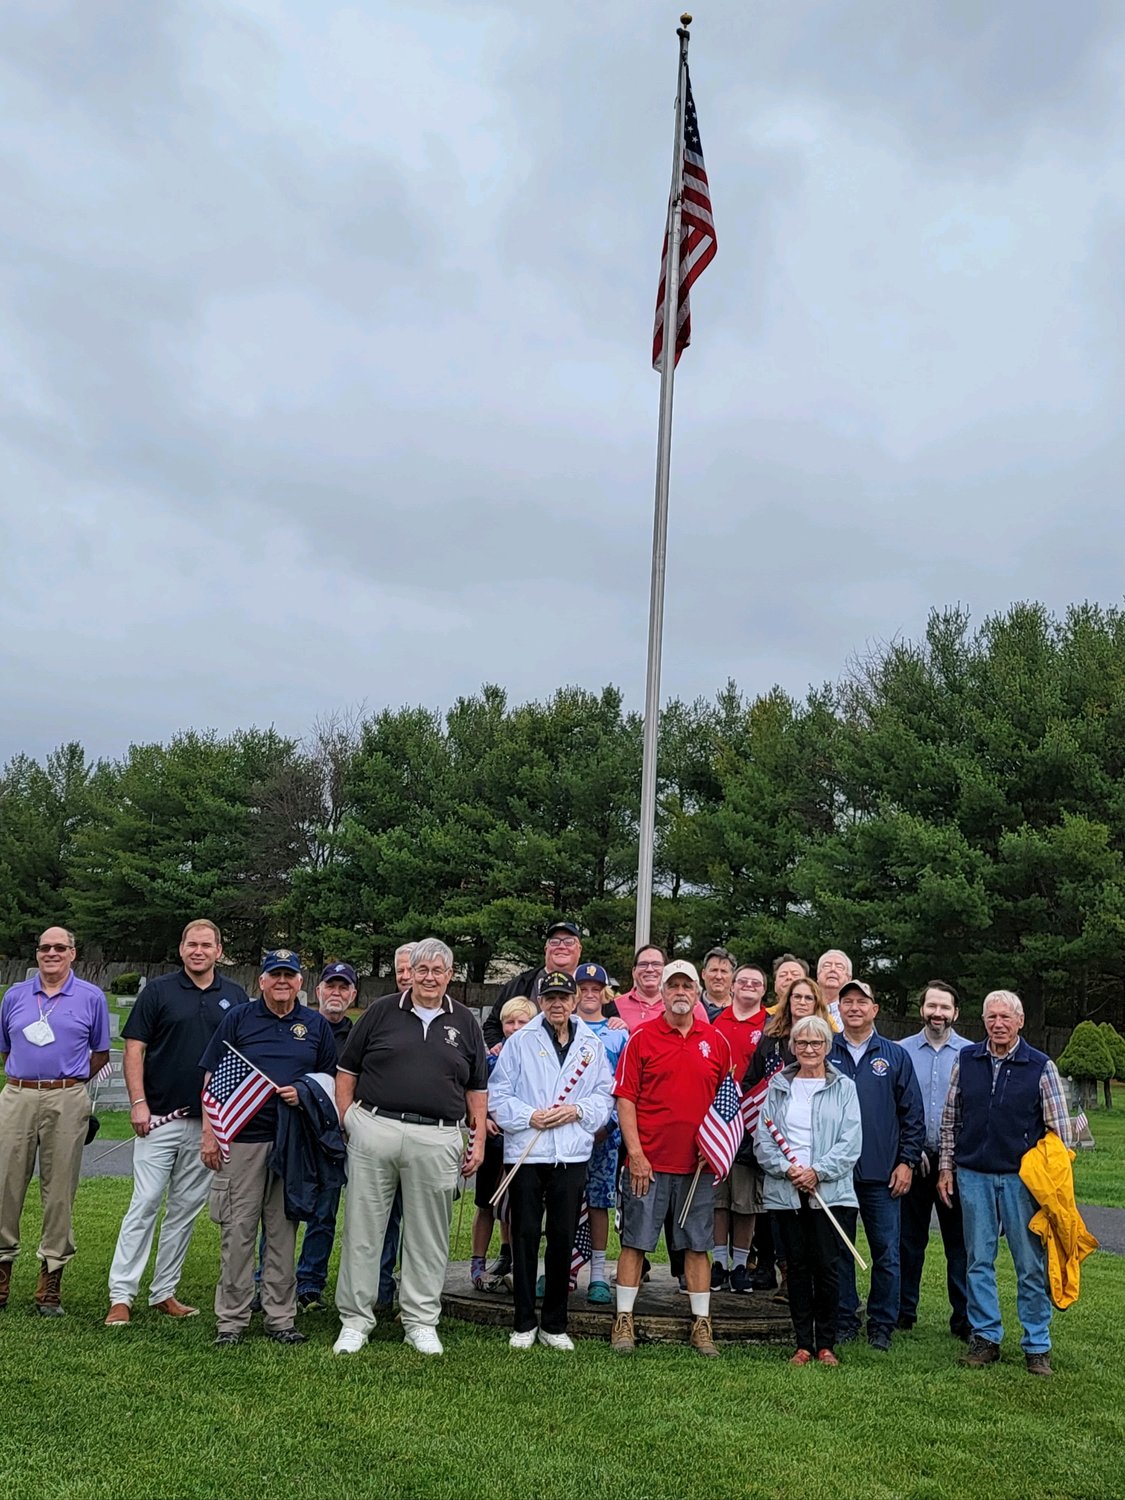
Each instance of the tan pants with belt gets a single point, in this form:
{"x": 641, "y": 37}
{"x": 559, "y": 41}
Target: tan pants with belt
{"x": 383, "y": 1155}
{"x": 244, "y": 1194}
{"x": 52, "y": 1122}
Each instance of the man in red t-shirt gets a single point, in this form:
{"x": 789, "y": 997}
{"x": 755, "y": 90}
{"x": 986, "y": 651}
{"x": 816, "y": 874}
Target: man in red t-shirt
{"x": 739, "y": 1195}
{"x": 666, "y": 1082}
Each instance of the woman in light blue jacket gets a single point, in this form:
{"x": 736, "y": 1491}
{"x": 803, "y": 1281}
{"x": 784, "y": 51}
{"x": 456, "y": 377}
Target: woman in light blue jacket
{"x": 815, "y": 1107}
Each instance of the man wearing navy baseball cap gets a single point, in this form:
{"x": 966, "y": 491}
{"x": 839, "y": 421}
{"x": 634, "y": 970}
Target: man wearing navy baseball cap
{"x": 336, "y": 993}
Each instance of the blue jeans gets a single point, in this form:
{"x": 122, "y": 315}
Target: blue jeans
{"x": 316, "y": 1247}
{"x": 989, "y": 1200}
{"x": 881, "y": 1220}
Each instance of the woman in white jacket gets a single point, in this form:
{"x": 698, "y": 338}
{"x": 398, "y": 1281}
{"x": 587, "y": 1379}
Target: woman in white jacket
{"x": 550, "y": 1091}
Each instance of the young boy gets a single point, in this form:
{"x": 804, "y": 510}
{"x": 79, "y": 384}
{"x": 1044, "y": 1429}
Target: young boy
{"x": 516, "y": 1012}
{"x": 601, "y": 1175}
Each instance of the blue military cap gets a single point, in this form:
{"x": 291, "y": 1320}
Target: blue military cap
{"x": 281, "y": 958}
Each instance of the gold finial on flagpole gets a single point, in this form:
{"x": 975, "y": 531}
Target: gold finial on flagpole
{"x": 685, "y": 19}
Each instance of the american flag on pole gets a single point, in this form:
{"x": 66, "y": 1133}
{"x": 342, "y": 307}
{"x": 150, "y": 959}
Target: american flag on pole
{"x": 583, "y": 1243}
{"x": 752, "y": 1099}
{"x": 720, "y": 1135}
{"x": 234, "y": 1094}
{"x": 697, "y": 236}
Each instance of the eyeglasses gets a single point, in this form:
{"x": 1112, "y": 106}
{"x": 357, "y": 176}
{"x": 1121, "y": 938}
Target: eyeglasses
{"x": 423, "y": 971}
{"x": 53, "y": 948}
{"x": 561, "y": 942}
{"x": 812, "y": 1046}
{"x": 656, "y": 965}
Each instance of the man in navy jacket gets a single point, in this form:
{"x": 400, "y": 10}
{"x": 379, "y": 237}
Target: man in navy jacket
{"x": 894, "y": 1132}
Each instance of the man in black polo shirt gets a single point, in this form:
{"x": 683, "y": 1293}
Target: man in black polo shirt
{"x": 562, "y": 948}
{"x": 414, "y": 1067}
{"x": 284, "y": 1040}
{"x": 173, "y": 1020}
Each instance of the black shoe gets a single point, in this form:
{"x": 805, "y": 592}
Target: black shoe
{"x": 980, "y": 1352}
{"x": 905, "y": 1324}
{"x": 739, "y": 1279}
{"x": 502, "y": 1265}
{"x": 848, "y": 1335}
{"x": 309, "y": 1302}
{"x": 764, "y": 1281}
{"x": 880, "y": 1340}
{"x": 256, "y": 1302}
{"x": 228, "y": 1340}
{"x": 719, "y": 1277}
{"x": 286, "y": 1336}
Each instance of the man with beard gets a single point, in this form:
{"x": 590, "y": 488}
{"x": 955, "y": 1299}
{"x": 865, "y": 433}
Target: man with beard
{"x": 933, "y": 1051}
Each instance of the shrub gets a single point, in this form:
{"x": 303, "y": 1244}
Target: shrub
{"x": 125, "y": 984}
{"x": 1116, "y": 1044}
{"x": 1087, "y": 1059}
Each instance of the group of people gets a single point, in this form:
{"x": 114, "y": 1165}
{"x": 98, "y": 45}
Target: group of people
{"x": 577, "y": 1101}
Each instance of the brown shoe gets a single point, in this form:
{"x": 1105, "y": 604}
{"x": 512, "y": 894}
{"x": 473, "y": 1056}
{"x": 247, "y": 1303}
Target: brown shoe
{"x": 173, "y": 1309}
{"x": 826, "y": 1357}
{"x": 623, "y": 1338}
{"x": 48, "y": 1292}
{"x": 702, "y": 1340}
{"x": 5, "y": 1281}
{"x": 980, "y": 1352}
{"x": 1038, "y": 1364}
{"x": 782, "y": 1293}
{"x": 118, "y": 1315}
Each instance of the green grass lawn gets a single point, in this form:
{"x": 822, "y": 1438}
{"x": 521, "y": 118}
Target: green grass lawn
{"x": 154, "y": 1411}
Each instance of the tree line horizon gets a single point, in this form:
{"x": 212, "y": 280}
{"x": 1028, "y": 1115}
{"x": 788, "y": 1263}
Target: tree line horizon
{"x": 952, "y": 807}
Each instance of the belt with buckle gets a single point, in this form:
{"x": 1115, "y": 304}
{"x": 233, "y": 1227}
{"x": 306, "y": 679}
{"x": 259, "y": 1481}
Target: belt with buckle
{"x": 404, "y": 1116}
{"x": 44, "y": 1083}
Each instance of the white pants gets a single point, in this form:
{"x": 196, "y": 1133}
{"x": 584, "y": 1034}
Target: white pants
{"x": 167, "y": 1159}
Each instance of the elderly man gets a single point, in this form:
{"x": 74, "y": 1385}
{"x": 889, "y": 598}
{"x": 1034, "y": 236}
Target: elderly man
{"x": 284, "y": 1041}
{"x": 54, "y": 1036}
{"x": 415, "y": 1066}
{"x": 738, "y": 1198}
{"x": 550, "y": 1095}
{"x": 666, "y": 1082}
{"x": 786, "y": 971}
{"x": 601, "y": 1174}
{"x": 336, "y": 993}
{"x": 1003, "y": 1098}
{"x": 833, "y": 970}
{"x": 562, "y": 951}
{"x": 894, "y": 1128}
{"x": 717, "y": 974}
{"x": 174, "y": 1018}
{"x": 402, "y": 966}
{"x": 933, "y": 1052}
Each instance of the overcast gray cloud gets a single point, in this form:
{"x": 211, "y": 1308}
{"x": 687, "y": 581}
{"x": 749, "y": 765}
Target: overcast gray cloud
{"x": 323, "y": 357}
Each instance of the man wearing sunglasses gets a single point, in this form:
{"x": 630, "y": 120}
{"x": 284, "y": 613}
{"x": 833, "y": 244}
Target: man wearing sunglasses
{"x": 54, "y": 1036}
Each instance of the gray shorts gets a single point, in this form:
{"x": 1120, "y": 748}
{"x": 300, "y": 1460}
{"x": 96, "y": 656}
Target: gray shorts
{"x": 642, "y": 1219}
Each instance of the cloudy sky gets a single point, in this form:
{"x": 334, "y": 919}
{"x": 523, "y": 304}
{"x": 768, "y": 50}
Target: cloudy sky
{"x": 324, "y": 366}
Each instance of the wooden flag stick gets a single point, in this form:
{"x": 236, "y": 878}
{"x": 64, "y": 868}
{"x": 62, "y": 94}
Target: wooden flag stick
{"x": 787, "y": 1152}
{"x": 691, "y": 1194}
{"x": 511, "y": 1172}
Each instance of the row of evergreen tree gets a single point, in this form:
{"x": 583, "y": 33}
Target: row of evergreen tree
{"x": 953, "y": 807}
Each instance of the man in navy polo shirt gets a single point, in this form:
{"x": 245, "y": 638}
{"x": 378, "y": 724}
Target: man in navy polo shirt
{"x": 335, "y": 995}
{"x": 894, "y": 1132}
{"x": 284, "y": 1040}
{"x": 171, "y": 1023}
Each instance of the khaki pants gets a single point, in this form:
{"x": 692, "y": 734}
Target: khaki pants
{"x": 244, "y": 1194}
{"x": 52, "y": 1122}
{"x": 382, "y": 1156}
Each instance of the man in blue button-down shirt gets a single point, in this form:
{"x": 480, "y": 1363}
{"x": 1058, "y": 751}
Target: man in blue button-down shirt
{"x": 933, "y": 1051}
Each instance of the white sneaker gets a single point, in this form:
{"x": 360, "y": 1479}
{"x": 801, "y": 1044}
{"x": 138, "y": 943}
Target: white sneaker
{"x": 556, "y": 1340}
{"x": 349, "y": 1342}
{"x": 522, "y": 1340}
{"x": 423, "y": 1338}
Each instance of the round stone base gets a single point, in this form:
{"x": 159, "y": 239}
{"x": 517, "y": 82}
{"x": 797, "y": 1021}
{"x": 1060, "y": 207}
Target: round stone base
{"x": 662, "y": 1313}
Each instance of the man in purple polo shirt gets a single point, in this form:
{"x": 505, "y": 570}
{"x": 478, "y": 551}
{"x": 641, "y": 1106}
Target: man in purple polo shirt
{"x": 54, "y": 1035}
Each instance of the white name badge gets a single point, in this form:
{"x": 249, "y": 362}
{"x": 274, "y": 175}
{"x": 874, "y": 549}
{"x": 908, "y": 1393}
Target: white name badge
{"x": 39, "y": 1033}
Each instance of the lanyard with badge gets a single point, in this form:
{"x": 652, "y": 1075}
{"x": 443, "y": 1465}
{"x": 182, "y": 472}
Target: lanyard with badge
{"x": 40, "y": 1033}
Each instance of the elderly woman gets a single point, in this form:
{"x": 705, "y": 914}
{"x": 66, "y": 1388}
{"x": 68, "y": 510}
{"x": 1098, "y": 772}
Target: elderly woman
{"x": 816, "y": 1109}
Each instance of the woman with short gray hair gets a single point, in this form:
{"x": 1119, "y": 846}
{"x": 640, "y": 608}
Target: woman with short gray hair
{"x": 816, "y": 1109}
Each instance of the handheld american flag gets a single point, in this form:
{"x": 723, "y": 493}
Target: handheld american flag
{"x": 234, "y": 1094}
{"x": 754, "y": 1096}
{"x": 697, "y": 235}
{"x": 583, "y": 1243}
{"x": 720, "y": 1135}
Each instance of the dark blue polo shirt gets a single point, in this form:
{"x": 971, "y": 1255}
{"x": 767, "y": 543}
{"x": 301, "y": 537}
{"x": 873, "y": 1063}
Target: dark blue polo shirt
{"x": 175, "y": 1019}
{"x": 283, "y": 1047}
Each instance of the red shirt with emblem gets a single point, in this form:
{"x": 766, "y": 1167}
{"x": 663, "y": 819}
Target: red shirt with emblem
{"x": 671, "y": 1078}
{"x": 743, "y": 1036}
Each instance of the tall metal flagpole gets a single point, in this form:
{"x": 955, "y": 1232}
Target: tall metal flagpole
{"x": 660, "y": 517}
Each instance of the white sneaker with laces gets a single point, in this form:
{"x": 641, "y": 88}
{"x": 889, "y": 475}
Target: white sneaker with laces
{"x": 349, "y": 1342}
{"x": 556, "y": 1340}
{"x": 522, "y": 1340}
{"x": 423, "y": 1338}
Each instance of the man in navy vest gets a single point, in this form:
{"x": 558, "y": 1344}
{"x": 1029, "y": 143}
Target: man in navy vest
{"x": 1003, "y": 1098}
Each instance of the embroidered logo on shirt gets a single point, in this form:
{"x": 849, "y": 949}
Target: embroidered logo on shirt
{"x": 586, "y": 1056}
{"x": 224, "y": 1004}
{"x": 300, "y": 1031}
{"x": 880, "y": 1067}
{"x": 705, "y": 1048}
{"x": 452, "y": 1035}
